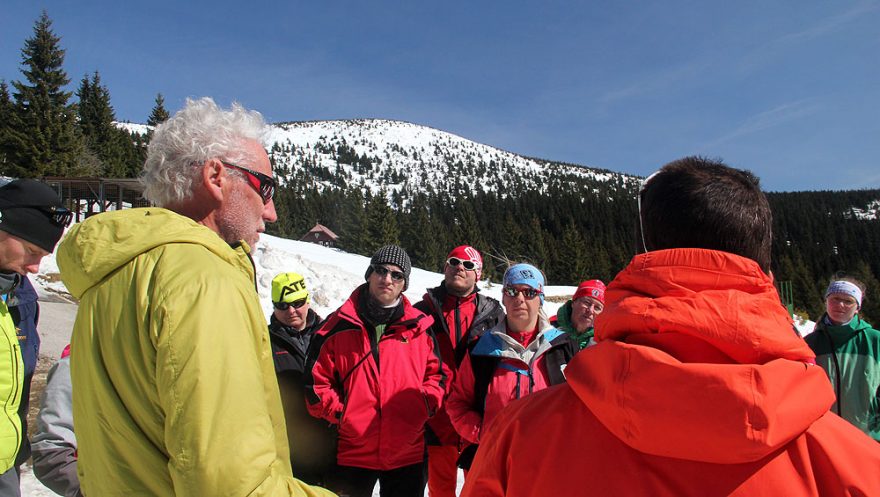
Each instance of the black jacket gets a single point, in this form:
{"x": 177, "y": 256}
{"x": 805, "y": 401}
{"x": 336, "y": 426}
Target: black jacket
{"x": 312, "y": 441}
{"x": 488, "y": 313}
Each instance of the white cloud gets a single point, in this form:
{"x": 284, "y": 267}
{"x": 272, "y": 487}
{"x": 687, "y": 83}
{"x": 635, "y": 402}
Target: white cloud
{"x": 771, "y": 118}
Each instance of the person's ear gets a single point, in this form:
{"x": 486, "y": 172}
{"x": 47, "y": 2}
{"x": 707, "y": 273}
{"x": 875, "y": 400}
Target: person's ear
{"x": 213, "y": 176}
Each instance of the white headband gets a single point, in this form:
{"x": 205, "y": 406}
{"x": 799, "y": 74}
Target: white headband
{"x": 846, "y": 288}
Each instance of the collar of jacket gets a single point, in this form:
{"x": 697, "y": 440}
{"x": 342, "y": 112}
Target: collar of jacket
{"x": 413, "y": 322}
{"x": 844, "y": 332}
{"x": 497, "y": 343}
{"x": 101, "y": 244}
{"x": 311, "y": 320}
{"x": 563, "y": 318}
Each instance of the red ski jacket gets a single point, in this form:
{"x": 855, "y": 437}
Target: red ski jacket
{"x": 379, "y": 393}
{"x": 698, "y": 386}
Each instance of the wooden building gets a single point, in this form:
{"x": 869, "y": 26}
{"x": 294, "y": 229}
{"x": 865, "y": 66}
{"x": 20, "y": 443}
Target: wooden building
{"x": 321, "y": 235}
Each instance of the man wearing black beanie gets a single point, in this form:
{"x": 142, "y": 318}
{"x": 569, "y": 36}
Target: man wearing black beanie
{"x": 374, "y": 370}
{"x": 32, "y": 220}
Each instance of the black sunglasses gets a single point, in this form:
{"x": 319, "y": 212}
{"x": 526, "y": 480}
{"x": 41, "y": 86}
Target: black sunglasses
{"x": 455, "y": 261}
{"x": 528, "y": 293}
{"x": 60, "y": 216}
{"x": 283, "y": 306}
{"x": 382, "y": 271}
{"x": 264, "y": 185}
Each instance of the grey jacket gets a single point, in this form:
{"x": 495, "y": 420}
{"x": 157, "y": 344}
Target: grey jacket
{"x": 53, "y": 448}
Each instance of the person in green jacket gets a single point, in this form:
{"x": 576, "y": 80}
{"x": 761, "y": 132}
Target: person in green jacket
{"x": 576, "y": 316}
{"x": 848, "y": 349}
{"x": 32, "y": 220}
{"x": 174, "y": 389}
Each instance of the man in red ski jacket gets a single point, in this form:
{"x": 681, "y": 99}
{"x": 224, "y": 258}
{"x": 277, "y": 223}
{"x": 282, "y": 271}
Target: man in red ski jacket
{"x": 375, "y": 371}
{"x": 697, "y": 385}
{"x": 461, "y": 315}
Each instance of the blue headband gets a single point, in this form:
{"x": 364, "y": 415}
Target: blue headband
{"x": 525, "y": 274}
{"x": 846, "y": 288}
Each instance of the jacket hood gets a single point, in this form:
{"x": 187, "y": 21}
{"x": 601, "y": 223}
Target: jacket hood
{"x": 101, "y": 244}
{"x": 563, "y": 318}
{"x": 697, "y": 360}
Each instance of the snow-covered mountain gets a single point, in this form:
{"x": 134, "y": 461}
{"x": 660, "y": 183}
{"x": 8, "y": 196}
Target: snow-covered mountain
{"x": 404, "y": 157}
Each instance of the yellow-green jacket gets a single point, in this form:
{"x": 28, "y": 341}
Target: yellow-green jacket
{"x": 174, "y": 391}
{"x": 11, "y": 371}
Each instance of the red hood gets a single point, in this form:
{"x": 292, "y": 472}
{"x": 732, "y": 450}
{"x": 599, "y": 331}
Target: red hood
{"x": 697, "y": 359}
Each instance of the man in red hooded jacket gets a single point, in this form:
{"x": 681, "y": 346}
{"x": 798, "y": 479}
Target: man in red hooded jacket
{"x": 698, "y": 386}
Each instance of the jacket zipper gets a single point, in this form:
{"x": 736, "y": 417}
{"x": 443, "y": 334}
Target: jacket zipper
{"x": 14, "y": 353}
{"x": 837, "y": 378}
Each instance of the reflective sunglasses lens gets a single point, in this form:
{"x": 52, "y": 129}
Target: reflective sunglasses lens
{"x": 382, "y": 271}
{"x": 267, "y": 189}
{"x": 62, "y": 217}
{"x": 281, "y": 306}
{"x": 455, "y": 262}
{"x": 298, "y": 303}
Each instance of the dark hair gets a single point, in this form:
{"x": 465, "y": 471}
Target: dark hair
{"x": 697, "y": 202}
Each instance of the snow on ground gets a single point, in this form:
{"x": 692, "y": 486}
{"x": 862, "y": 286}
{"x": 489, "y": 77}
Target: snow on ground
{"x": 331, "y": 274}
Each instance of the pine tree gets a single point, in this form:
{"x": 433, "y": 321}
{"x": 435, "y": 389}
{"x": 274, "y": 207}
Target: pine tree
{"x": 380, "y": 224}
{"x": 104, "y": 139}
{"x": 572, "y": 262}
{"x": 535, "y": 243}
{"x": 351, "y": 226}
{"x": 159, "y": 114}
{"x": 46, "y": 140}
{"x": 7, "y": 115}
{"x": 421, "y": 236}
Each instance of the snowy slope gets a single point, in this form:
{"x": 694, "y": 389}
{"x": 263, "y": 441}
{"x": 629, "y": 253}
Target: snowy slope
{"x": 410, "y": 157}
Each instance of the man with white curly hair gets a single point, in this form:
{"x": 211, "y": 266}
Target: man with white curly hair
{"x": 174, "y": 385}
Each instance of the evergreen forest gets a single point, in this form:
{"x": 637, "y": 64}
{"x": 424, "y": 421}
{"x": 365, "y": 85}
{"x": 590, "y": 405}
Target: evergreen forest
{"x": 572, "y": 228}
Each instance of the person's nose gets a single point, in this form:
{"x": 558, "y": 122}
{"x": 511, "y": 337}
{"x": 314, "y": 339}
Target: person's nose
{"x": 269, "y": 214}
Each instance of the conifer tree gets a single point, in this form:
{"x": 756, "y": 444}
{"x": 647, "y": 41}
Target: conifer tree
{"x": 571, "y": 265}
{"x": 159, "y": 114}
{"x": 351, "y": 229}
{"x": 380, "y": 224}
{"x": 535, "y": 244}
{"x": 7, "y": 115}
{"x": 46, "y": 141}
{"x": 104, "y": 139}
{"x": 421, "y": 236}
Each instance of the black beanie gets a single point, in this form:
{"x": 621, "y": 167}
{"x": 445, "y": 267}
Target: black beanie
{"x": 26, "y": 208}
{"x": 392, "y": 254}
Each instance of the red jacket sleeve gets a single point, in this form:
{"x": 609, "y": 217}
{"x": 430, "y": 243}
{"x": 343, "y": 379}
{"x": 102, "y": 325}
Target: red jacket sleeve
{"x": 466, "y": 421}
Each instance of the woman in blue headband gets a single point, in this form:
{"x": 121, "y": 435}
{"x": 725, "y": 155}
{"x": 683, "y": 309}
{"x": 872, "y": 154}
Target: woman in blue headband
{"x": 848, "y": 349}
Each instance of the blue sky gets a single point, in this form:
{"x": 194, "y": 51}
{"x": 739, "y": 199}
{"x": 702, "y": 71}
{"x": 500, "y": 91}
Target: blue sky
{"x": 788, "y": 89}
